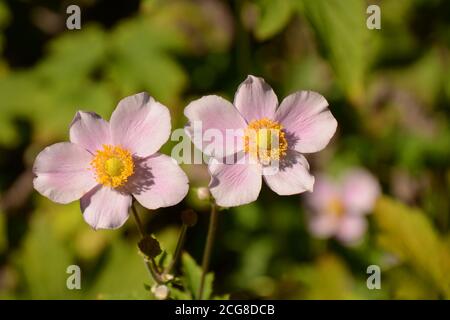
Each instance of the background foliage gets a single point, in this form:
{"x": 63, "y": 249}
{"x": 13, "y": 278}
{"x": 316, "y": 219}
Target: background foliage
{"x": 389, "y": 90}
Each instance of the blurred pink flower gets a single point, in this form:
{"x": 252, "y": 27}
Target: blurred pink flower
{"x": 339, "y": 208}
{"x": 301, "y": 124}
{"x": 107, "y": 164}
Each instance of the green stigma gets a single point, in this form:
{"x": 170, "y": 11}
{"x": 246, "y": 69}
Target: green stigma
{"x": 113, "y": 167}
{"x": 265, "y": 137}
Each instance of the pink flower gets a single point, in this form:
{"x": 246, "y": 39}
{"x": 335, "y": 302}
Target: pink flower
{"x": 339, "y": 208}
{"x": 301, "y": 124}
{"x": 106, "y": 164}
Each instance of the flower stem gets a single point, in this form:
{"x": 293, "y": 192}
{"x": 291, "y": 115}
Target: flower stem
{"x": 178, "y": 248}
{"x": 208, "y": 247}
{"x": 149, "y": 262}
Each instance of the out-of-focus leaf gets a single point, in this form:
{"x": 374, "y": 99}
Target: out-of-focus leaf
{"x": 58, "y": 86}
{"x": 273, "y": 17}
{"x": 404, "y": 284}
{"x": 248, "y": 216}
{"x": 424, "y": 78}
{"x": 199, "y": 26}
{"x": 328, "y": 278}
{"x": 341, "y": 28}
{"x": 310, "y": 72}
{"x": 69, "y": 226}
{"x": 141, "y": 62}
{"x": 122, "y": 275}
{"x": 191, "y": 277}
{"x": 3, "y": 235}
{"x": 4, "y": 19}
{"x": 43, "y": 261}
{"x": 407, "y": 233}
{"x": 73, "y": 56}
{"x": 397, "y": 38}
{"x": 4, "y": 14}
{"x": 256, "y": 258}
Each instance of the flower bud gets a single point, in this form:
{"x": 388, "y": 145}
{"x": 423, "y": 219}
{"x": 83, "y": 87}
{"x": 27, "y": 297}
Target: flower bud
{"x": 161, "y": 292}
{"x": 149, "y": 247}
{"x": 203, "y": 193}
{"x": 189, "y": 217}
{"x": 166, "y": 277}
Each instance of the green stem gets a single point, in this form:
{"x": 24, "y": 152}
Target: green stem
{"x": 208, "y": 247}
{"x": 149, "y": 262}
{"x": 178, "y": 249}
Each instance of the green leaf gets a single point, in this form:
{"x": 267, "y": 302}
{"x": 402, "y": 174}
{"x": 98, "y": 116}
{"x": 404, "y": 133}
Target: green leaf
{"x": 139, "y": 54}
{"x": 191, "y": 277}
{"x": 328, "y": 278}
{"x": 177, "y": 294}
{"x": 273, "y": 17}
{"x": 3, "y": 234}
{"x": 122, "y": 275}
{"x": 5, "y": 15}
{"x": 43, "y": 261}
{"x": 341, "y": 29}
{"x": 409, "y": 235}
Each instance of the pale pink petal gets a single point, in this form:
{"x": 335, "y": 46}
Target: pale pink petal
{"x": 90, "y": 131}
{"x": 308, "y": 123}
{"x": 292, "y": 176}
{"x": 62, "y": 172}
{"x": 158, "y": 182}
{"x": 105, "y": 208}
{"x": 255, "y": 99}
{"x": 351, "y": 229}
{"x": 215, "y": 126}
{"x": 140, "y": 124}
{"x": 323, "y": 225}
{"x": 360, "y": 191}
{"x": 325, "y": 190}
{"x": 235, "y": 184}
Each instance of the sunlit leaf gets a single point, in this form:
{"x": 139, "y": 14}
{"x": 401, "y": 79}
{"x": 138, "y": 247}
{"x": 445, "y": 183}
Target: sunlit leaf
{"x": 341, "y": 29}
{"x": 328, "y": 278}
{"x": 43, "y": 261}
{"x": 407, "y": 233}
{"x": 122, "y": 275}
{"x": 192, "y": 275}
{"x": 273, "y": 17}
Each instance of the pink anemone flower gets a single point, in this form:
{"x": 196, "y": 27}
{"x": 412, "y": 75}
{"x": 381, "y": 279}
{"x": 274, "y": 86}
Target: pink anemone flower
{"x": 106, "y": 164}
{"x": 301, "y": 124}
{"x": 338, "y": 208}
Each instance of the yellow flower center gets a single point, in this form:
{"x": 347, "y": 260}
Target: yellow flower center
{"x": 264, "y": 140}
{"x": 336, "y": 207}
{"x": 113, "y": 166}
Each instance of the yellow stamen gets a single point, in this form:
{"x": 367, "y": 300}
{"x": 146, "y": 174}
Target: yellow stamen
{"x": 113, "y": 166}
{"x": 265, "y": 140}
{"x": 335, "y": 207}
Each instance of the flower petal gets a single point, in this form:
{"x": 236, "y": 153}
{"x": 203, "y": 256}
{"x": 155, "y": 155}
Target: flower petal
{"x": 62, "y": 172}
{"x": 212, "y": 121}
{"x": 292, "y": 177}
{"x": 90, "y": 131}
{"x": 323, "y": 225}
{"x": 140, "y": 124}
{"x": 360, "y": 191}
{"x": 255, "y": 99}
{"x": 308, "y": 123}
{"x": 351, "y": 229}
{"x": 325, "y": 190}
{"x": 158, "y": 182}
{"x": 235, "y": 184}
{"x": 105, "y": 208}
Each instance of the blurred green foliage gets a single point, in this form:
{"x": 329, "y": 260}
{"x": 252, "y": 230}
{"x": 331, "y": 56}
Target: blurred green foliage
{"x": 389, "y": 90}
